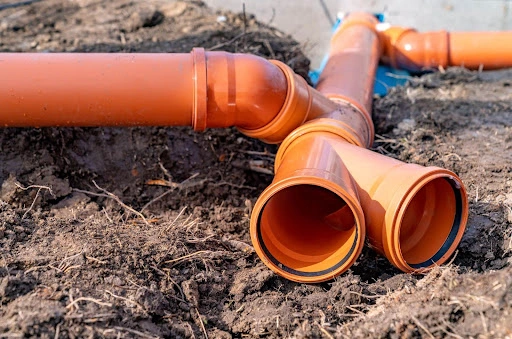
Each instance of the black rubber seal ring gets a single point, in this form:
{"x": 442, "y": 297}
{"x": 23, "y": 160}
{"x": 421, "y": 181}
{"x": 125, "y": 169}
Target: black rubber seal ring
{"x": 300, "y": 273}
{"x": 453, "y": 233}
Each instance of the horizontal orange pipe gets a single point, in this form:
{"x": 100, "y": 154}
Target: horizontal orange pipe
{"x": 96, "y": 89}
{"x": 489, "y": 50}
{"x": 408, "y": 49}
{"x": 263, "y": 99}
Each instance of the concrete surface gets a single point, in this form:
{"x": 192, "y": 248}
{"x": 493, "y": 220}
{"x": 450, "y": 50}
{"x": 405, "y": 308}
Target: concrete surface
{"x": 310, "y": 21}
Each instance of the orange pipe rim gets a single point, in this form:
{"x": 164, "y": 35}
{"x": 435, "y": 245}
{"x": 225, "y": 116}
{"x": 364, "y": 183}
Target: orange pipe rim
{"x": 428, "y": 224}
{"x": 285, "y": 256}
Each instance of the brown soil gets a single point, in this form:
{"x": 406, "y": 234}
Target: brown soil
{"x": 79, "y": 260}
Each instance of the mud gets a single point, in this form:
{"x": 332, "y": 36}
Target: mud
{"x": 143, "y": 232}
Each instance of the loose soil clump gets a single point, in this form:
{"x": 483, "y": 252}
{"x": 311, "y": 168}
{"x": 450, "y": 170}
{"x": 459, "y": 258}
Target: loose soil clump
{"x": 143, "y": 232}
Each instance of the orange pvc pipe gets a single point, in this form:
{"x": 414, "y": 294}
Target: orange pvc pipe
{"x": 263, "y": 99}
{"x": 328, "y": 193}
{"x": 95, "y": 89}
{"x": 489, "y": 50}
{"x": 408, "y": 49}
{"x": 349, "y": 74}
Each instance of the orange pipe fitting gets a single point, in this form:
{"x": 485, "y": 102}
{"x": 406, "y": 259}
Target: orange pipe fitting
{"x": 415, "y": 216}
{"x": 408, "y": 49}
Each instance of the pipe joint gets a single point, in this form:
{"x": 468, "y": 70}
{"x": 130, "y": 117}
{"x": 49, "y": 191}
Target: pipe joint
{"x": 408, "y": 49}
{"x": 293, "y": 113}
{"x": 357, "y": 117}
{"x": 308, "y": 225}
{"x": 200, "y": 103}
{"x": 357, "y": 19}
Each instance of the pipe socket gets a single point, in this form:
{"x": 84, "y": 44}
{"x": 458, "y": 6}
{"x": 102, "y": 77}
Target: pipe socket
{"x": 308, "y": 225}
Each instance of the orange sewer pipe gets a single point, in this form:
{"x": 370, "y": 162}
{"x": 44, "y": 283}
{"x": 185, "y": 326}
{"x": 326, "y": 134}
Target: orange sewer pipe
{"x": 328, "y": 192}
{"x": 408, "y": 49}
{"x": 308, "y": 226}
{"x": 202, "y": 89}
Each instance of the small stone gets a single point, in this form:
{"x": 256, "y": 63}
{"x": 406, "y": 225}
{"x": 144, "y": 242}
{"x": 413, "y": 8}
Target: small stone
{"x": 191, "y": 291}
{"x": 174, "y": 9}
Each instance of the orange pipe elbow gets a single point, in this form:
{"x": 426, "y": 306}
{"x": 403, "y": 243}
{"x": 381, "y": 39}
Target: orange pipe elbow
{"x": 408, "y": 49}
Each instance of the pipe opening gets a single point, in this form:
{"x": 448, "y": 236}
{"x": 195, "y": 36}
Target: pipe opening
{"x": 431, "y": 222}
{"x": 307, "y": 230}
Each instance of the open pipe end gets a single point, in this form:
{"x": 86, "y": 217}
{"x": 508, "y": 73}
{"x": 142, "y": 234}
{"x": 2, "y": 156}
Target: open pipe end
{"x": 429, "y": 223}
{"x": 307, "y": 231}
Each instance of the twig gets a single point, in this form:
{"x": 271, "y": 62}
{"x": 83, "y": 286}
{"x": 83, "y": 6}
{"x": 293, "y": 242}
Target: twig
{"x": 355, "y": 310}
{"x": 175, "y": 219}
{"x": 399, "y": 76}
{"x": 420, "y": 325}
{"x": 61, "y": 264}
{"x": 183, "y": 185}
{"x": 244, "y": 40}
{"x": 57, "y": 331}
{"x": 265, "y": 153}
{"x": 142, "y": 334}
{"x": 31, "y": 205}
{"x": 125, "y": 299}
{"x": 269, "y": 47}
{"x": 35, "y": 186}
{"x": 452, "y": 333}
{"x": 324, "y": 331}
{"x": 114, "y": 197}
{"x": 156, "y": 199}
{"x": 39, "y": 188}
{"x": 185, "y": 257}
{"x": 229, "y": 42}
{"x": 96, "y": 260}
{"x": 171, "y": 280}
{"x": 365, "y": 295}
{"x": 106, "y": 214}
{"x": 96, "y": 301}
{"x": 202, "y": 324}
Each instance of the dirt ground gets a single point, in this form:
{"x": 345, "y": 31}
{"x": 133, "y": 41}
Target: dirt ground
{"x": 143, "y": 232}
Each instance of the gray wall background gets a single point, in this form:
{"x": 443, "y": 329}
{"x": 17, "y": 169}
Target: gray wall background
{"x": 310, "y": 21}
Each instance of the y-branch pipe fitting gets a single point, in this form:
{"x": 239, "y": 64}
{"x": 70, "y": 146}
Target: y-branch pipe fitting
{"x": 308, "y": 226}
{"x": 405, "y": 48}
